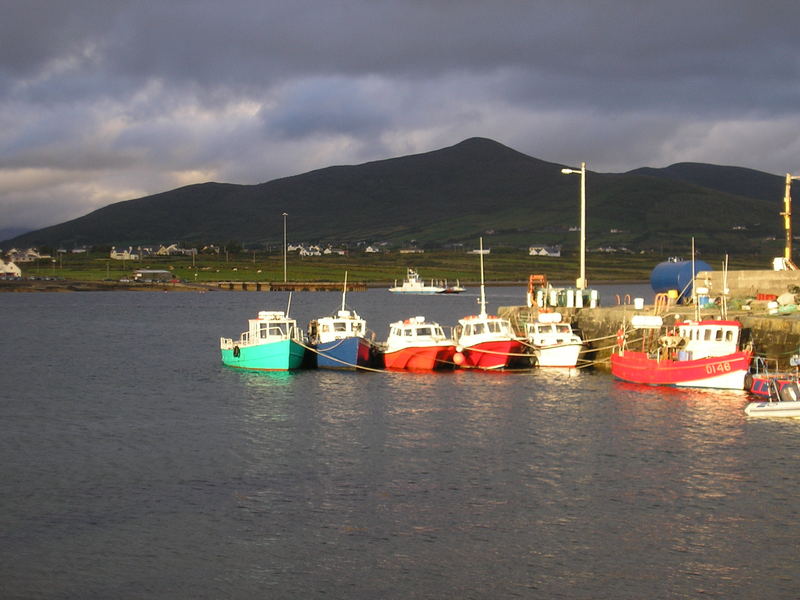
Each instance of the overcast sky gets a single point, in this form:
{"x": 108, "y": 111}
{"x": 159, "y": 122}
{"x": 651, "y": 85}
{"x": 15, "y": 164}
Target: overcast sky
{"x": 107, "y": 100}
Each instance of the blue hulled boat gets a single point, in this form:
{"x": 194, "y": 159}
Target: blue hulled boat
{"x": 342, "y": 340}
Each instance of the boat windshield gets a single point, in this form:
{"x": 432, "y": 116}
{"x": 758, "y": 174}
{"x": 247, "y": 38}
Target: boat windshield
{"x": 266, "y": 330}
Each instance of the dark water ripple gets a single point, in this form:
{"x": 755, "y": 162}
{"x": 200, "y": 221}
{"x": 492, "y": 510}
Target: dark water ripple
{"x": 134, "y": 465}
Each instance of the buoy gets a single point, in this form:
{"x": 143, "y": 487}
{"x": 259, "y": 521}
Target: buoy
{"x": 458, "y": 358}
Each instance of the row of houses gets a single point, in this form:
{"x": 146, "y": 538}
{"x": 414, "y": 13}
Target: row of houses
{"x": 131, "y": 253}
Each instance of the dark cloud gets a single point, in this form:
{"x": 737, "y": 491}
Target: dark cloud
{"x": 106, "y": 99}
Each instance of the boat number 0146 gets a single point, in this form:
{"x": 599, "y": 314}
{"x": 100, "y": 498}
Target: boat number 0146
{"x": 722, "y": 367}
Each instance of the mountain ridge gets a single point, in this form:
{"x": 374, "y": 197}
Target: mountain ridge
{"x": 447, "y": 196}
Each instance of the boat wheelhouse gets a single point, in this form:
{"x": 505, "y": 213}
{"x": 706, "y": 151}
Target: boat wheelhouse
{"x": 272, "y": 342}
{"x": 341, "y": 341}
{"x": 417, "y": 344}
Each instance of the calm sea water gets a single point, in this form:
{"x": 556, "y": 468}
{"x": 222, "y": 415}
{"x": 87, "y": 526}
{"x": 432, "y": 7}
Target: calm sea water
{"x": 134, "y": 465}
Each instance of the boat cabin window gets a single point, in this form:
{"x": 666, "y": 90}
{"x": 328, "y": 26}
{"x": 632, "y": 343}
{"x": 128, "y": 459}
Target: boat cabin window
{"x": 357, "y": 328}
{"x": 563, "y": 328}
{"x": 339, "y": 326}
{"x": 407, "y": 332}
{"x": 707, "y": 337}
{"x": 719, "y": 335}
{"x": 729, "y": 336}
{"x": 478, "y": 328}
{"x": 424, "y": 331}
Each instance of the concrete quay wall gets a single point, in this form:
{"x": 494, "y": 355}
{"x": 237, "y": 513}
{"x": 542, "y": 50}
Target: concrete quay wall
{"x": 748, "y": 284}
{"x": 774, "y": 337}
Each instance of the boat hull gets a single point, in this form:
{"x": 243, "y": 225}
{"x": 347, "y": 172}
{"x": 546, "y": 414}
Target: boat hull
{"x": 773, "y": 409}
{"x": 347, "y": 353}
{"x": 420, "y": 358}
{"x": 283, "y": 355}
{"x": 499, "y": 354}
{"x": 564, "y": 355}
{"x": 722, "y": 372}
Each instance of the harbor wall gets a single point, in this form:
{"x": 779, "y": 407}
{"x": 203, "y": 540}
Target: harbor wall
{"x": 748, "y": 284}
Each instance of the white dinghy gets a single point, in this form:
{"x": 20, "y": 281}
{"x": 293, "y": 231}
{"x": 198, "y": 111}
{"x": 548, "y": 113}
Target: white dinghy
{"x": 788, "y": 407}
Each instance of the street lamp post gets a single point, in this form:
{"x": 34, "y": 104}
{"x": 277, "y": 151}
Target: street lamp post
{"x": 580, "y": 283}
{"x": 284, "y": 246}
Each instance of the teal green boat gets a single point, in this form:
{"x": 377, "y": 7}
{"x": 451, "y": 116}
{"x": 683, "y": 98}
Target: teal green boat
{"x": 272, "y": 342}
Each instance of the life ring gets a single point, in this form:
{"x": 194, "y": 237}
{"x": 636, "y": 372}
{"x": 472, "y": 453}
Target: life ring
{"x": 620, "y": 337}
{"x": 236, "y": 352}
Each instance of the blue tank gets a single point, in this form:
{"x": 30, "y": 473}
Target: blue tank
{"x": 676, "y": 276}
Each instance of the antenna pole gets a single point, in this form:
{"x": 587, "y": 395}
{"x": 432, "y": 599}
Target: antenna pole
{"x": 483, "y": 291}
{"x": 344, "y": 289}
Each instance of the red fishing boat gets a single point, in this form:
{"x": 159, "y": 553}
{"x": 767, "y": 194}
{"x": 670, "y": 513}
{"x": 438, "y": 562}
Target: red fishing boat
{"x": 690, "y": 354}
{"x": 417, "y": 344}
{"x": 486, "y": 341}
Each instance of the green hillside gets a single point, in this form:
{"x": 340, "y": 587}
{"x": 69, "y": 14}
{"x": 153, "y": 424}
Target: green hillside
{"x": 451, "y": 196}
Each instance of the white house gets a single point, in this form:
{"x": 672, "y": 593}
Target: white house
{"x": 174, "y": 250}
{"x": 9, "y": 269}
{"x": 554, "y": 251}
{"x": 29, "y": 255}
{"x": 128, "y": 254}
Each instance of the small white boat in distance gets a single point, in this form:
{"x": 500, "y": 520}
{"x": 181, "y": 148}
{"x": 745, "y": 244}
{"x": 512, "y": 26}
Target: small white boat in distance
{"x": 413, "y": 284}
{"x": 553, "y": 342}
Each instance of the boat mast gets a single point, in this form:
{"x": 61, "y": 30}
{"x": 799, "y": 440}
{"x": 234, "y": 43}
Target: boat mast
{"x": 483, "y": 291}
{"x": 694, "y": 293}
{"x": 725, "y": 289}
{"x": 344, "y": 289}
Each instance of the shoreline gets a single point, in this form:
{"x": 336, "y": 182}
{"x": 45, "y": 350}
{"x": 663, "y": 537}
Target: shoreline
{"x": 78, "y": 285}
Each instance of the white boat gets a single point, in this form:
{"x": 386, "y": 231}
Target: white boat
{"x": 553, "y": 342}
{"x": 778, "y": 408}
{"x": 486, "y": 341}
{"x": 453, "y": 289}
{"x": 413, "y": 284}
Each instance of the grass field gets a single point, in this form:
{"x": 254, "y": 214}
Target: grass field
{"x": 500, "y": 266}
